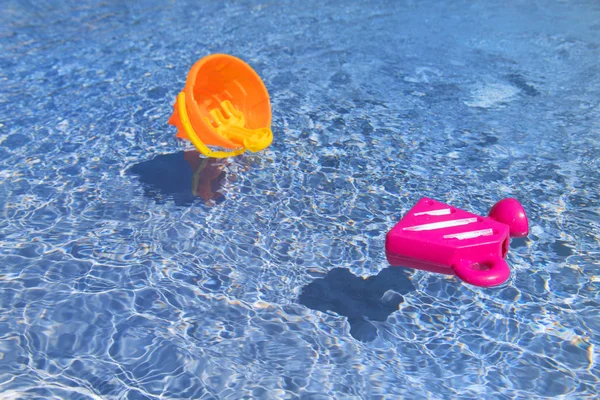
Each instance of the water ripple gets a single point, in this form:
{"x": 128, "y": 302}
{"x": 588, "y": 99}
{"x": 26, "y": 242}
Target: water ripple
{"x": 134, "y": 269}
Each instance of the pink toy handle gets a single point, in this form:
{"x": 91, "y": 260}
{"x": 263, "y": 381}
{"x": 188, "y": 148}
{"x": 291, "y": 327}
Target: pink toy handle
{"x": 492, "y": 272}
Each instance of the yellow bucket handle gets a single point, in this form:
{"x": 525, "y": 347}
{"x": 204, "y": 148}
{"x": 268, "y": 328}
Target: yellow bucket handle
{"x": 202, "y": 148}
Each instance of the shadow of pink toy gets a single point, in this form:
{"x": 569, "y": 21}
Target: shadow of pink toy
{"x": 436, "y": 237}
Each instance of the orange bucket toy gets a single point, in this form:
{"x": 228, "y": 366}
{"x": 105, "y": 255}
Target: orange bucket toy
{"x": 225, "y": 104}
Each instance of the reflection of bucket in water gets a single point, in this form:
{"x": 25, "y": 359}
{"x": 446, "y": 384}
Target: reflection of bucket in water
{"x": 182, "y": 177}
{"x": 208, "y": 176}
{"x": 225, "y": 104}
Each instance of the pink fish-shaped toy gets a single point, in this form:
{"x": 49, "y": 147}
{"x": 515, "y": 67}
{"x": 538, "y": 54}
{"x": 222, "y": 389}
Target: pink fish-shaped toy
{"x": 436, "y": 237}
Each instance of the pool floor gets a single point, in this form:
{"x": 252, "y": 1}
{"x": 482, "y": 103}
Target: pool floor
{"x": 133, "y": 268}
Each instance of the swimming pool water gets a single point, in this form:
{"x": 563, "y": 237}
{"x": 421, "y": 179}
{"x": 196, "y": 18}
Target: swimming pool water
{"x": 133, "y": 269}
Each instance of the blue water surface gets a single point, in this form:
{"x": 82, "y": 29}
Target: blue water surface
{"x": 133, "y": 269}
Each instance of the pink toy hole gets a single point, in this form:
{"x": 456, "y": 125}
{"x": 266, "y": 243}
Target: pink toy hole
{"x": 485, "y": 266}
{"x": 490, "y": 272}
{"x": 429, "y": 202}
{"x": 505, "y": 248}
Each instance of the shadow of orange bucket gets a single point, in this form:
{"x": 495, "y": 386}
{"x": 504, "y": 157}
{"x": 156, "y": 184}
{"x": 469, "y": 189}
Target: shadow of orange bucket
{"x": 224, "y": 104}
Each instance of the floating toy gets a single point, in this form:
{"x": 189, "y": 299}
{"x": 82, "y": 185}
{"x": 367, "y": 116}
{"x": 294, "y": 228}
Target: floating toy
{"x": 225, "y": 104}
{"x": 437, "y": 237}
